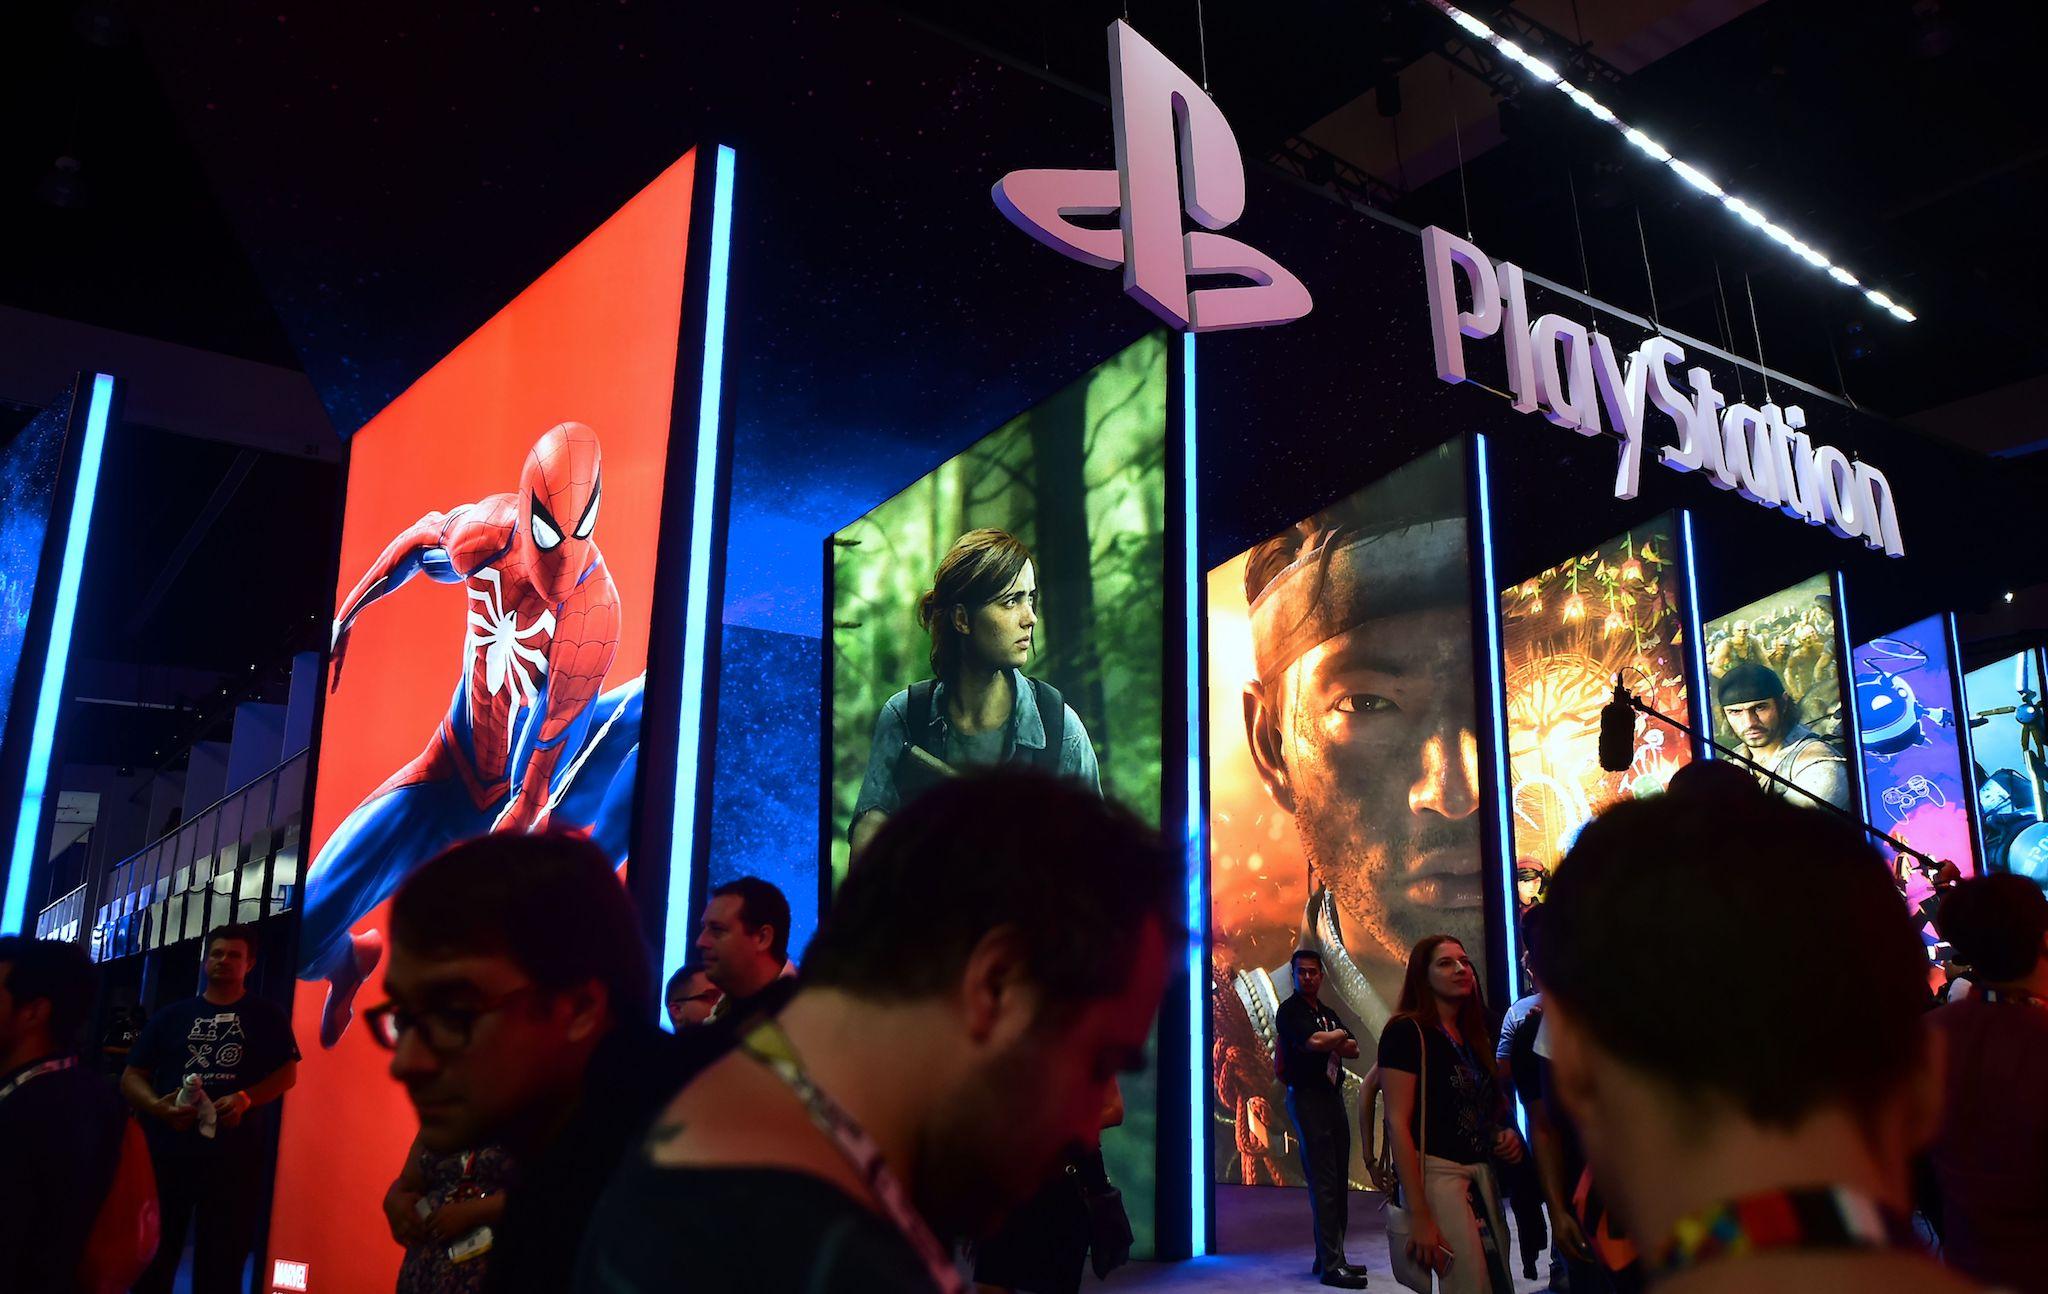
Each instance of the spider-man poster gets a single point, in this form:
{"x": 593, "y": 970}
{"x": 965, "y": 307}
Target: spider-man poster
{"x": 490, "y": 637}
{"x": 1913, "y": 783}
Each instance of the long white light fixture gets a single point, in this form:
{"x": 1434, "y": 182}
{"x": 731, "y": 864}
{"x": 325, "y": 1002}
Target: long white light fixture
{"x": 1656, "y": 152}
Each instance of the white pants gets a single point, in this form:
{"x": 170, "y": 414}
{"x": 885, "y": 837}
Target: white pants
{"x": 1446, "y": 1184}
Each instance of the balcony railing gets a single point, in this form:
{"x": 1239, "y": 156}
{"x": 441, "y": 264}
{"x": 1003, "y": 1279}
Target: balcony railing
{"x": 237, "y": 861}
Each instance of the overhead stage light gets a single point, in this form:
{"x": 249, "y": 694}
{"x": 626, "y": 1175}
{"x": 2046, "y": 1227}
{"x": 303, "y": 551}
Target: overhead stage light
{"x": 1692, "y": 175}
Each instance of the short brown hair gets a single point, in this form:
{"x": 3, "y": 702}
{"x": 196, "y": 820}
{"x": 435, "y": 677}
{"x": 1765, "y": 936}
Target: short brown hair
{"x": 1648, "y": 935}
{"x": 975, "y": 571}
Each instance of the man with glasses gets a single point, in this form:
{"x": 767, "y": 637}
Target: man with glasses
{"x": 521, "y": 1013}
{"x": 691, "y": 997}
{"x": 199, "y": 1069}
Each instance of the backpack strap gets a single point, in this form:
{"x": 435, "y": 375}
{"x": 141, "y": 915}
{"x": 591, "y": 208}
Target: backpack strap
{"x": 918, "y": 714}
{"x": 1052, "y": 712}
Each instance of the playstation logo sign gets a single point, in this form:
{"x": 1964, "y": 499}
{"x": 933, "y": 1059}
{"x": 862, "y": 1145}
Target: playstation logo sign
{"x": 1174, "y": 153}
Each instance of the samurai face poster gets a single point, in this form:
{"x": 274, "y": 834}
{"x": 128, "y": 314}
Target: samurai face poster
{"x": 1343, "y": 780}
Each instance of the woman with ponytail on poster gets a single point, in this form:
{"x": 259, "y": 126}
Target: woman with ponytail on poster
{"x": 1447, "y": 1119}
{"x": 979, "y": 708}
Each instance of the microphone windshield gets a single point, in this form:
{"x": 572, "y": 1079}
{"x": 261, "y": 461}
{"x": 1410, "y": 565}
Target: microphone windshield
{"x": 1617, "y": 731}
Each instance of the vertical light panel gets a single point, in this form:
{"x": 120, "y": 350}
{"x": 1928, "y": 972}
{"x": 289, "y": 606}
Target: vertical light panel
{"x": 1704, "y": 719}
{"x": 49, "y": 695}
{"x": 1846, "y": 670}
{"x": 682, "y": 845}
{"x": 1496, "y": 700}
{"x": 1197, "y": 856}
{"x": 1966, "y": 744}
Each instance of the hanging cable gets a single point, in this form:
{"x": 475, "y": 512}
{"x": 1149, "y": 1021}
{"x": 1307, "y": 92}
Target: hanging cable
{"x": 1727, "y": 321}
{"x": 1643, "y": 239}
{"x": 1758, "y": 328}
{"x": 1578, "y": 231}
{"x": 1202, "y": 34}
{"x": 1458, "y": 135}
{"x": 1841, "y": 382}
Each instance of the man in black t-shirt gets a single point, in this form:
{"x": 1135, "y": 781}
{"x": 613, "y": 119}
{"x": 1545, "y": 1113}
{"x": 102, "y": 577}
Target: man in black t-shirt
{"x": 964, "y": 1011}
{"x": 60, "y": 1125}
{"x": 1313, "y": 1042}
{"x": 210, "y": 1145}
{"x": 521, "y": 1013}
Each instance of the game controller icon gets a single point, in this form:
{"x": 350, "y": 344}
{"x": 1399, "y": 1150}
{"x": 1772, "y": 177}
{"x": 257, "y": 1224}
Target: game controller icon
{"x": 1899, "y": 800}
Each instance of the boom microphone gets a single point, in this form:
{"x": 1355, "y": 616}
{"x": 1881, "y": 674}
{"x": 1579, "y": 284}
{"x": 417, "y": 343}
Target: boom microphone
{"x": 1617, "y": 731}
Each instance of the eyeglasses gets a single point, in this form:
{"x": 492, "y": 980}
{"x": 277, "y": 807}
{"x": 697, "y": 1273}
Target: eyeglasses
{"x": 444, "y": 1030}
{"x": 708, "y": 995}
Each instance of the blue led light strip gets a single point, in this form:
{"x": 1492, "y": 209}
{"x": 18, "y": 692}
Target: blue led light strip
{"x": 1965, "y": 743}
{"x": 1197, "y": 856}
{"x": 1845, "y": 668}
{"x": 682, "y": 844}
{"x": 1497, "y": 703}
{"x": 1703, "y": 707}
{"x": 35, "y": 782}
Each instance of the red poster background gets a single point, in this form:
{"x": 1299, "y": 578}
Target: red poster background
{"x": 594, "y": 340}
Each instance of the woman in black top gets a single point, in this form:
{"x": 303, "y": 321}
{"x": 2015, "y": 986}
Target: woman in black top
{"x": 1446, "y": 1113}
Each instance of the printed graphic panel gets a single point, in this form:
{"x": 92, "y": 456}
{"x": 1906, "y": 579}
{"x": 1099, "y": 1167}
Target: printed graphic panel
{"x": 28, "y": 490}
{"x": 1566, "y": 634}
{"x": 2007, "y": 732}
{"x": 492, "y": 627}
{"x": 1343, "y": 782}
{"x": 1913, "y": 783}
{"x": 1067, "y": 499}
{"x": 1775, "y": 678}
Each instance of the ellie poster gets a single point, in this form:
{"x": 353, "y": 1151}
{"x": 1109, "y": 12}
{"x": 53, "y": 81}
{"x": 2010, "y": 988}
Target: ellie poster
{"x": 1566, "y": 634}
{"x": 1775, "y": 675}
{"x": 1913, "y": 782}
{"x": 1063, "y": 509}
{"x": 1343, "y": 781}
{"x": 491, "y": 630}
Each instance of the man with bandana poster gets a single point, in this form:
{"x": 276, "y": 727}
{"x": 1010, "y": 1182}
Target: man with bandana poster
{"x": 1362, "y": 721}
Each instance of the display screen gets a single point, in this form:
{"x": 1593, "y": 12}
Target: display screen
{"x": 1344, "y": 783}
{"x": 1775, "y": 677}
{"x": 1617, "y": 611}
{"x": 2007, "y": 733}
{"x": 477, "y": 565}
{"x": 1913, "y": 783}
{"x": 1042, "y": 550}
{"x": 29, "y": 464}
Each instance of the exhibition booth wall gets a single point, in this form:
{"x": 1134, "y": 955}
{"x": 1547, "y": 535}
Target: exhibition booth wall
{"x": 1226, "y": 521}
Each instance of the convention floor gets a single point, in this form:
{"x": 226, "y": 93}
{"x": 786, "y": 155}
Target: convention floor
{"x": 1262, "y": 1239}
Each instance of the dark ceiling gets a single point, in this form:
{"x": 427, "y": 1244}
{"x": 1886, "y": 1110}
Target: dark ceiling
{"x": 1897, "y": 135}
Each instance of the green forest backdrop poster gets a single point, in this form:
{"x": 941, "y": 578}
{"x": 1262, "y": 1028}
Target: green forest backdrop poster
{"x": 1081, "y": 479}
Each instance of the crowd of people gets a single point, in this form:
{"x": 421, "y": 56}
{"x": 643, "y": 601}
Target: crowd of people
{"x": 921, "y": 1107}
{"x": 1849, "y": 1128}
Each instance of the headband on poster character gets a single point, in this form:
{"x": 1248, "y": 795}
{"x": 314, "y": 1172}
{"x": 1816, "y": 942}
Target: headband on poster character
{"x": 1352, "y": 577}
{"x": 1747, "y": 682}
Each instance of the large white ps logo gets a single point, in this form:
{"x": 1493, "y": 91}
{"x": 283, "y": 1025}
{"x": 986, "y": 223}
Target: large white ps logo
{"x": 1154, "y": 106}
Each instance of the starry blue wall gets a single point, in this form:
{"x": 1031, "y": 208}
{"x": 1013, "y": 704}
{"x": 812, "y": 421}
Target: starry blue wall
{"x": 764, "y": 814}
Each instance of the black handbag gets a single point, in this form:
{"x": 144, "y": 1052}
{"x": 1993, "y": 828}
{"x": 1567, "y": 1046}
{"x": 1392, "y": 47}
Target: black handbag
{"x": 1109, "y": 1227}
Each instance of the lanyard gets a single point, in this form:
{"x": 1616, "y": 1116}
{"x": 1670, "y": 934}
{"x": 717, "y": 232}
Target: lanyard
{"x": 51, "y": 1066}
{"x": 1823, "y": 1217}
{"x": 2009, "y": 997}
{"x": 767, "y": 1043}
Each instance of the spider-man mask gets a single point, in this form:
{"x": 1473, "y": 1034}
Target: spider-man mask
{"x": 558, "y": 497}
